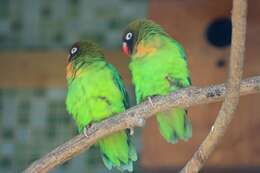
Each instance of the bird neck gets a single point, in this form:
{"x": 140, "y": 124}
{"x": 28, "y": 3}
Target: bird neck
{"x": 75, "y": 68}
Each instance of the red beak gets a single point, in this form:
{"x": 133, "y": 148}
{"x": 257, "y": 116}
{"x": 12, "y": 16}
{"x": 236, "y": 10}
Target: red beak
{"x": 125, "y": 48}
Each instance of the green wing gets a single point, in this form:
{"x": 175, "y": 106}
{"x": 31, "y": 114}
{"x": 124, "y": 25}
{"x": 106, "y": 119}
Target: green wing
{"x": 183, "y": 55}
{"x": 180, "y": 48}
{"x": 138, "y": 95}
{"x": 119, "y": 83}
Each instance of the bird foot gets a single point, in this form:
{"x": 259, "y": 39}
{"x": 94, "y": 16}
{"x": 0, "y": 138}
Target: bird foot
{"x": 132, "y": 131}
{"x": 150, "y": 101}
{"x": 86, "y": 130}
{"x": 140, "y": 122}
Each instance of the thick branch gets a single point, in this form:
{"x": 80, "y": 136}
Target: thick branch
{"x": 133, "y": 117}
{"x": 230, "y": 103}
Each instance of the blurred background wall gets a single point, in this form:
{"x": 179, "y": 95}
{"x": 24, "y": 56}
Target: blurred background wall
{"x": 34, "y": 38}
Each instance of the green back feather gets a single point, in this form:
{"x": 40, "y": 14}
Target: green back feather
{"x": 118, "y": 81}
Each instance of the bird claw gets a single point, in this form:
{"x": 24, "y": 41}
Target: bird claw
{"x": 132, "y": 131}
{"x": 140, "y": 122}
{"x": 86, "y": 130}
{"x": 150, "y": 101}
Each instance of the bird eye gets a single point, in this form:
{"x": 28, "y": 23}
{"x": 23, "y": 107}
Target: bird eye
{"x": 128, "y": 36}
{"x": 73, "y": 50}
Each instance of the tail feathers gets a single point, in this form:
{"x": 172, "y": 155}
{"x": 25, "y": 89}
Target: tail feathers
{"x": 123, "y": 167}
{"x": 174, "y": 125}
{"x": 117, "y": 151}
{"x": 107, "y": 162}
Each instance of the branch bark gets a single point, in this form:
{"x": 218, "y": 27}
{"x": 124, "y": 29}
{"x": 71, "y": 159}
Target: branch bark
{"x": 226, "y": 113}
{"x": 134, "y": 117}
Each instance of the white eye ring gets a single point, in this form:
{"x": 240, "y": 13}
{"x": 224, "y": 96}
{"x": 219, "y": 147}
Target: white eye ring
{"x": 128, "y": 36}
{"x": 73, "y": 50}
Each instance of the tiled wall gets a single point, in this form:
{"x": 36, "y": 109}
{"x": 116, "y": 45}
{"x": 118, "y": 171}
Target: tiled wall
{"x": 52, "y": 24}
{"x": 34, "y": 121}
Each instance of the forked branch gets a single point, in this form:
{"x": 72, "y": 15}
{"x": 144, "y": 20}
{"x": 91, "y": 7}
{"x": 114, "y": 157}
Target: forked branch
{"x": 133, "y": 117}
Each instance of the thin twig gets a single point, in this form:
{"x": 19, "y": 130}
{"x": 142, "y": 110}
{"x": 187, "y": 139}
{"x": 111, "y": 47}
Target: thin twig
{"x": 134, "y": 117}
{"x": 226, "y": 113}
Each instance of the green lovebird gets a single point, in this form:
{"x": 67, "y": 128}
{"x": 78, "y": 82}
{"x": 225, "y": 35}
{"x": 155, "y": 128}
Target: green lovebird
{"x": 96, "y": 92}
{"x": 158, "y": 66}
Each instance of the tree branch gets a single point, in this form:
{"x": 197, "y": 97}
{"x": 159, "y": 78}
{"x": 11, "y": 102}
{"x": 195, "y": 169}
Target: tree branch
{"x": 133, "y": 117}
{"x": 226, "y": 113}
{"x": 184, "y": 98}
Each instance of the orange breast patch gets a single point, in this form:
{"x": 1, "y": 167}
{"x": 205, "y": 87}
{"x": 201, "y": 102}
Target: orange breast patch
{"x": 143, "y": 50}
{"x": 69, "y": 70}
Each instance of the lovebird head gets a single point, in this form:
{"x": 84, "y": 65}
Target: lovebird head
{"x": 81, "y": 54}
{"x": 137, "y": 32}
